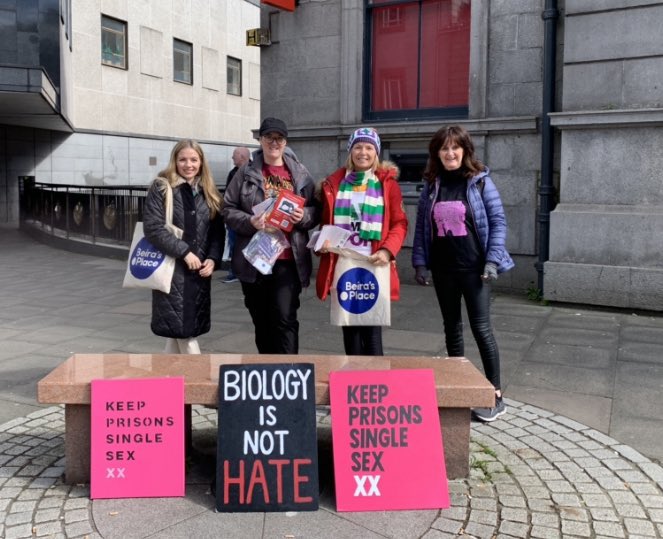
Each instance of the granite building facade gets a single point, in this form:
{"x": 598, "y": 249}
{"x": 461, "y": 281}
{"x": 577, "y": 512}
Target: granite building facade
{"x": 572, "y": 145}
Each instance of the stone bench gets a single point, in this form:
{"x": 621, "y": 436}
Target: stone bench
{"x": 460, "y": 387}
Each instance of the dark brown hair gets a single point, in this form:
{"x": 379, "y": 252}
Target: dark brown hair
{"x": 453, "y": 134}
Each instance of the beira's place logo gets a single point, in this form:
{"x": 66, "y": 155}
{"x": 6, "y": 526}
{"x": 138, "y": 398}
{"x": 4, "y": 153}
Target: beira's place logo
{"x": 358, "y": 290}
{"x": 145, "y": 259}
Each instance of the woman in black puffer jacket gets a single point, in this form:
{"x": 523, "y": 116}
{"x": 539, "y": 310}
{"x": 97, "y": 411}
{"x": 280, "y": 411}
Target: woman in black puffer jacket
{"x": 184, "y": 313}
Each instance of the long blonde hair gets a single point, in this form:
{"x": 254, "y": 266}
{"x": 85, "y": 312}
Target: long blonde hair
{"x": 211, "y": 193}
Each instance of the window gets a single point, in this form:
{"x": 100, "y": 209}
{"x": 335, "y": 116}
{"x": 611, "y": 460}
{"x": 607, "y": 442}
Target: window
{"x": 234, "y": 75}
{"x": 113, "y": 42}
{"x": 417, "y": 58}
{"x": 182, "y": 61}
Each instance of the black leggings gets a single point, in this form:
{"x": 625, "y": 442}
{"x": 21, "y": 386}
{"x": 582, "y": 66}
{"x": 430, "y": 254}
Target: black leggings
{"x": 450, "y": 287}
{"x": 363, "y": 340}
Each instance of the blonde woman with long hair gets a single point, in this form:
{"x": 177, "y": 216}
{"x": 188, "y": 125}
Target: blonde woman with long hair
{"x": 184, "y": 314}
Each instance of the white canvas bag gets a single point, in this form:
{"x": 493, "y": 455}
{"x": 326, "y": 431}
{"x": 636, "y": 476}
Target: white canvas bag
{"x": 360, "y": 293}
{"x": 147, "y": 266}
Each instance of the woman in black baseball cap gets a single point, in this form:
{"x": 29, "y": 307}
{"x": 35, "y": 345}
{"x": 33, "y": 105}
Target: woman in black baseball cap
{"x": 272, "y": 300}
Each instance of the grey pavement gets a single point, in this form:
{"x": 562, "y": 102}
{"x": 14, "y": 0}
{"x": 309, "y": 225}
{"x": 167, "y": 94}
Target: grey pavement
{"x": 577, "y": 455}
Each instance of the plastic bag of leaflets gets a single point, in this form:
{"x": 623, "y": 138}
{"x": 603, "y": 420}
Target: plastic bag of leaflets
{"x": 264, "y": 248}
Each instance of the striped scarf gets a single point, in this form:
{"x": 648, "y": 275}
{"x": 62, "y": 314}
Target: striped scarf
{"x": 372, "y": 210}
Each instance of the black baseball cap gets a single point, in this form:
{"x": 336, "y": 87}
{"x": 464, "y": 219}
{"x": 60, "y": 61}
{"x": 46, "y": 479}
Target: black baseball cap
{"x": 273, "y": 125}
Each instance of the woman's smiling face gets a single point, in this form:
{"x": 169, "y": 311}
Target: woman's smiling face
{"x": 451, "y": 155}
{"x": 363, "y": 156}
{"x": 188, "y": 163}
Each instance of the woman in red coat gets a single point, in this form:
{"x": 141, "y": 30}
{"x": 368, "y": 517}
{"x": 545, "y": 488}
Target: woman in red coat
{"x": 364, "y": 196}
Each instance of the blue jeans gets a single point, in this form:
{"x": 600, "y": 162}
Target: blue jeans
{"x": 450, "y": 287}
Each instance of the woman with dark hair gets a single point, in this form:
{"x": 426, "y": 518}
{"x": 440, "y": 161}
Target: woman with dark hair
{"x": 460, "y": 236}
{"x": 184, "y": 313}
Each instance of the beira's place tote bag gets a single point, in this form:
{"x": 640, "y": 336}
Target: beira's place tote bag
{"x": 360, "y": 293}
{"x": 147, "y": 266}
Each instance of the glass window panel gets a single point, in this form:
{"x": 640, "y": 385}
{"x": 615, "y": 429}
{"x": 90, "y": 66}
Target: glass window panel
{"x": 234, "y": 76}
{"x": 113, "y": 42}
{"x": 419, "y": 56}
{"x": 182, "y": 61}
{"x": 394, "y": 66}
{"x": 445, "y": 53}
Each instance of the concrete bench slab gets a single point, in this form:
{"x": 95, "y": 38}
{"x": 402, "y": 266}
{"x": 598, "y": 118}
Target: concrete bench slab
{"x": 459, "y": 386}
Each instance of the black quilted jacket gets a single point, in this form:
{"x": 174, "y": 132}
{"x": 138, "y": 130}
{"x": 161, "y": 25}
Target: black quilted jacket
{"x": 185, "y": 312}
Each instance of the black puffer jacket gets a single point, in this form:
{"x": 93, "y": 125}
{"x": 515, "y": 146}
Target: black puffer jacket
{"x": 185, "y": 312}
{"x": 245, "y": 191}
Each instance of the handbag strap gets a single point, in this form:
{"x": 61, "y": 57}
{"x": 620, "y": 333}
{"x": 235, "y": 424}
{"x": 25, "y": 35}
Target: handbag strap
{"x": 168, "y": 204}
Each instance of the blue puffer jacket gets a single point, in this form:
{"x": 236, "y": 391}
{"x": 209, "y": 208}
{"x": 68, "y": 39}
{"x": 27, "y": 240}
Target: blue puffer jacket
{"x": 488, "y": 215}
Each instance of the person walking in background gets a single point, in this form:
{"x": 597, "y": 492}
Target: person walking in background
{"x": 272, "y": 300}
{"x": 184, "y": 313}
{"x": 364, "y": 196}
{"x": 460, "y": 236}
{"x": 240, "y": 156}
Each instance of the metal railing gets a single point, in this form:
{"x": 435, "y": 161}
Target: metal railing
{"x": 97, "y": 215}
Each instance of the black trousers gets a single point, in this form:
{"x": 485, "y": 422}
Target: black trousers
{"x": 273, "y": 301}
{"x": 362, "y": 340}
{"x": 450, "y": 287}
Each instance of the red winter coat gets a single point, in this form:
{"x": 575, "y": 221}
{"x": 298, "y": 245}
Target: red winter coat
{"x": 394, "y": 225}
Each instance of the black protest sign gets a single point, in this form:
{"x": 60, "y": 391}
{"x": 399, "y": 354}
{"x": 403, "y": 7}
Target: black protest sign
{"x": 267, "y": 450}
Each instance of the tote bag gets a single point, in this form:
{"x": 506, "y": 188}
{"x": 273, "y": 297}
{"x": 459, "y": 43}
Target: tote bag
{"x": 148, "y": 267}
{"x": 360, "y": 294}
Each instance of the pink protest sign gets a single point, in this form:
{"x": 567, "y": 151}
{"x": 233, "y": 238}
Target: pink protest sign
{"x": 388, "y": 452}
{"x": 137, "y": 438}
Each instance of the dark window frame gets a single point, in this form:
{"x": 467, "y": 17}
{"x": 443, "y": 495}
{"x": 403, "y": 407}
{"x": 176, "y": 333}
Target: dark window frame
{"x": 183, "y": 52}
{"x": 401, "y": 114}
{"x": 124, "y": 34}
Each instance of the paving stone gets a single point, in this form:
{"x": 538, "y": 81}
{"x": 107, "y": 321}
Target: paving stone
{"x": 22, "y": 531}
{"x": 78, "y": 528}
{"x": 623, "y": 498}
{"x": 545, "y": 519}
{"x": 479, "y": 530}
{"x": 604, "y": 514}
{"x": 483, "y": 517}
{"x": 540, "y": 532}
{"x": 609, "y": 529}
{"x": 44, "y": 515}
{"x": 447, "y": 525}
{"x": 596, "y": 500}
{"x": 652, "y": 501}
{"x": 13, "y": 519}
{"x": 20, "y": 507}
{"x": 514, "y": 515}
{"x": 573, "y": 513}
{"x": 76, "y": 515}
{"x": 572, "y": 527}
{"x": 640, "y": 527}
{"x": 76, "y": 503}
{"x": 631, "y": 511}
{"x": 515, "y": 529}
{"x": 566, "y": 500}
{"x": 560, "y": 486}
